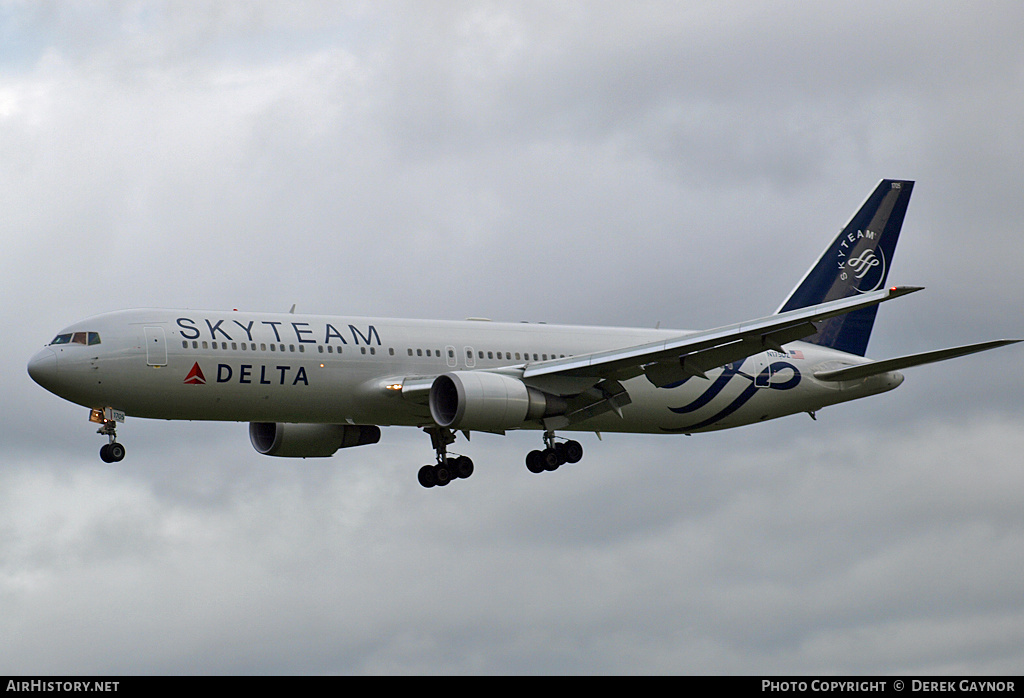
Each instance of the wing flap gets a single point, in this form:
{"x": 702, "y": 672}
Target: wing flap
{"x": 662, "y": 373}
{"x": 876, "y": 367}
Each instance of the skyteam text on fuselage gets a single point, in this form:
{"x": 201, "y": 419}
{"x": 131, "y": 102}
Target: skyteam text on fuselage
{"x": 310, "y": 385}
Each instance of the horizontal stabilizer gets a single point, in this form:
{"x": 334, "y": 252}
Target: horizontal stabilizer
{"x": 876, "y": 367}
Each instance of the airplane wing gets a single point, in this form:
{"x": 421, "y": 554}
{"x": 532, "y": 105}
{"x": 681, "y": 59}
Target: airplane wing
{"x": 675, "y": 359}
{"x": 874, "y": 368}
{"x": 591, "y": 382}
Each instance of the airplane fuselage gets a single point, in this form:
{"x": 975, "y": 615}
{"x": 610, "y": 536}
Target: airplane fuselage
{"x": 288, "y": 368}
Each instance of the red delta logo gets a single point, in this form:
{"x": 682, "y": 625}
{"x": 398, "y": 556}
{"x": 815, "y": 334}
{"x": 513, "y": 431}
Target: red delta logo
{"x": 195, "y": 376}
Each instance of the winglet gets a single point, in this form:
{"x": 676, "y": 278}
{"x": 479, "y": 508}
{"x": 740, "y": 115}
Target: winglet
{"x": 897, "y": 291}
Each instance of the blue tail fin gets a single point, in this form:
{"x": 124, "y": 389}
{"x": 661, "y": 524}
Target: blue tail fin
{"x": 857, "y": 261}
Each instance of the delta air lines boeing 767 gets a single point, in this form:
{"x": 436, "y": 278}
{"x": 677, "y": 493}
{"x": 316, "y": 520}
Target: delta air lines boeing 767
{"x": 310, "y": 384}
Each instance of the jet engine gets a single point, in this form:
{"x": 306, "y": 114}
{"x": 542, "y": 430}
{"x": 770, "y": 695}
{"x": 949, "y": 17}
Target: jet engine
{"x": 308, "y": 440}
{"x": 483, "y": 401}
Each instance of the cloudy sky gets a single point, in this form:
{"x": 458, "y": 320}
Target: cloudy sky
{"x": 576, "y": 162}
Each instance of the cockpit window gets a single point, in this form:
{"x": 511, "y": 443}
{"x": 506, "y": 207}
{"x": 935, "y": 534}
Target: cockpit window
{"x": 89, "y": 338}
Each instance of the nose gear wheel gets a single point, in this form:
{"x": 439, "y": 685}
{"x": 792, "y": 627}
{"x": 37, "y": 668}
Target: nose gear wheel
{"x": 111, "y": 452}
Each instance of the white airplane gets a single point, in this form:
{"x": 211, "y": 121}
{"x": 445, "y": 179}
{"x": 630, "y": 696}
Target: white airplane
{"x": 312, "y": 384}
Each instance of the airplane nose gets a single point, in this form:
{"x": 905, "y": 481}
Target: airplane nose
{"x": 43, "y": 368}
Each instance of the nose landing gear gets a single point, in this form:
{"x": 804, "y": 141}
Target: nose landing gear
{"x": 111, "y": 452}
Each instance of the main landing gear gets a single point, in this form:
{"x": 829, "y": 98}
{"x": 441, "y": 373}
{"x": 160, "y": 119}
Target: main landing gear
{"x": 554, "y": 454}
{"x": 450, "y": 468}
{"x": 447, "y": 468}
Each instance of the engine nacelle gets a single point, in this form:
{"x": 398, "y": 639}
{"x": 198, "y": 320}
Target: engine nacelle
{"x": 483, "y": 401}
{"x": 308, "y": 440}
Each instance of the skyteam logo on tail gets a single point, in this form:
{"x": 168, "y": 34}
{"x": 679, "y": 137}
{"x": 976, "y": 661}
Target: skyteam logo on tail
{"x": 861, "y": 261}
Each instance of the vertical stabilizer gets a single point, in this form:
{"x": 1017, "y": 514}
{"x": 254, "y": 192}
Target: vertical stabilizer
{"x": 856, "y": 262}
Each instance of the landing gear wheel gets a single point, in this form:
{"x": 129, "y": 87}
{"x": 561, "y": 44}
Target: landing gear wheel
{"x": 461, "y": 467}
{"x": 552, "y": 459}
{"x": 561, "y": 453}
{"x": 112, "y": 453}
{"x": 573, "y": 452}
{"x": 535, "y": 462}
{"x": 427, "y": 476}
{"x": 443, "y": 474}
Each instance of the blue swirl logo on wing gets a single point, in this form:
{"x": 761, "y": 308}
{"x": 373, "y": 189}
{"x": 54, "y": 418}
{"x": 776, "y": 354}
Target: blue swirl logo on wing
{"x": 761, "y": 381}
